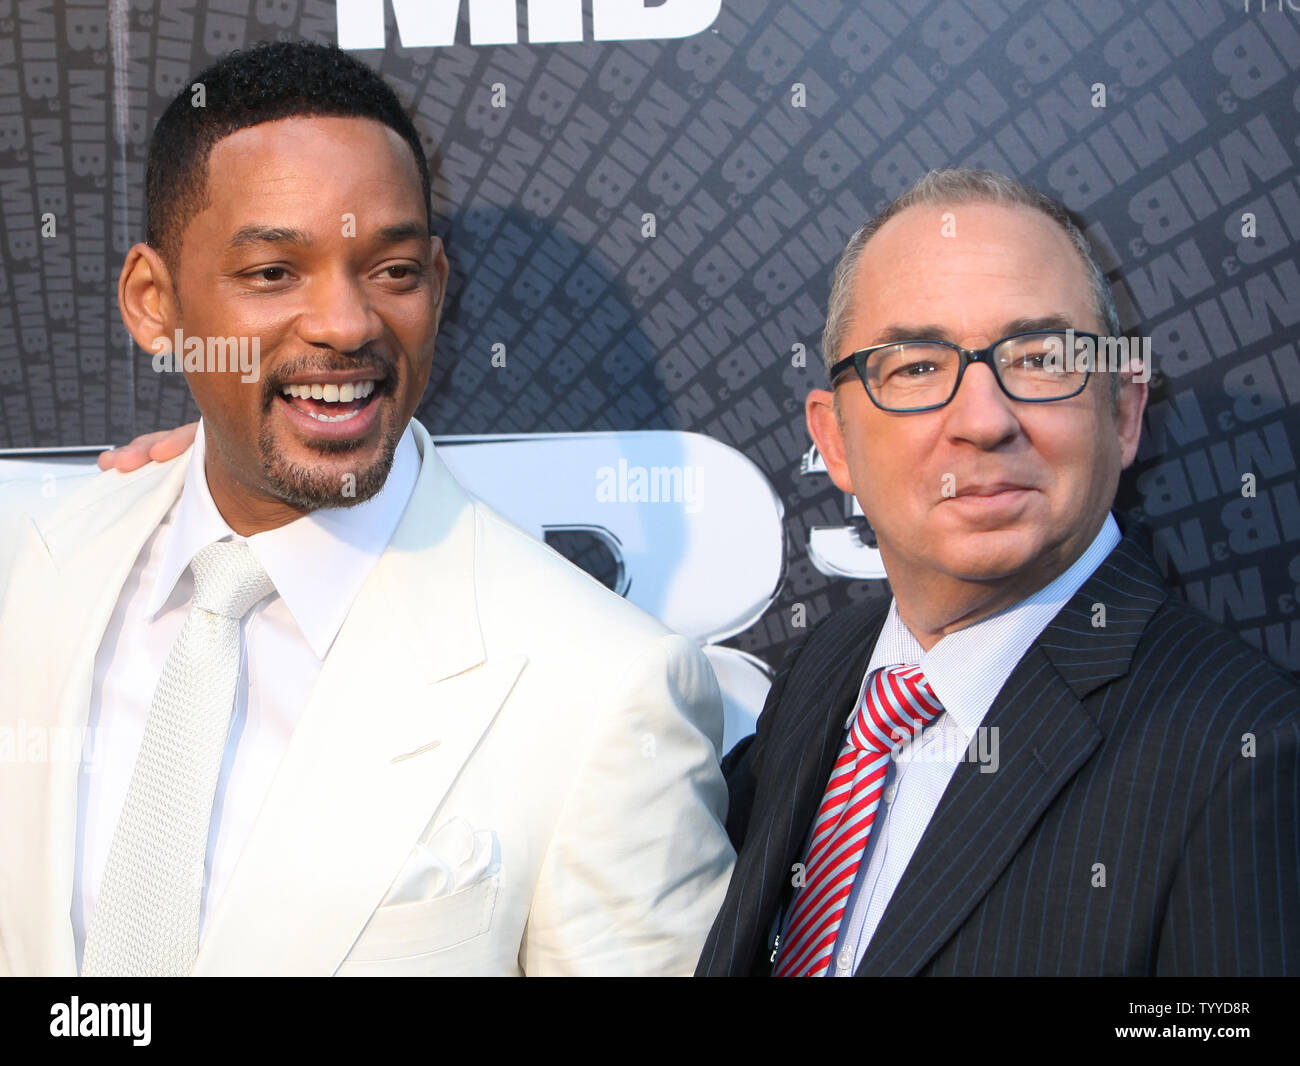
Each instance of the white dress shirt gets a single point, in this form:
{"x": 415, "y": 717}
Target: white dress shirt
{"x": 966, "y": 670}
{"x": 317, "y": 563}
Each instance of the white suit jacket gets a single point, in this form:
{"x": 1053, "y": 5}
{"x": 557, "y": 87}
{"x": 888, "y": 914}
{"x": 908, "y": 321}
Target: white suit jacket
{"x": 503, "y": 767}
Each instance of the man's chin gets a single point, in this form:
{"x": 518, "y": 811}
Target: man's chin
{"x": 313, "y": 488}
{"x": 983, "y": 556}
{"x": 310, "y": 475}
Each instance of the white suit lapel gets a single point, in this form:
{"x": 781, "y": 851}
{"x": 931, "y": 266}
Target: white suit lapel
{"x": 402, "y": 699}
{"x": 68, "y": 573}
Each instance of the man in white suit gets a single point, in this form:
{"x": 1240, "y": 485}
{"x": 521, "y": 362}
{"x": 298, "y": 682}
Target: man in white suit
{"x": 448, "y": 751}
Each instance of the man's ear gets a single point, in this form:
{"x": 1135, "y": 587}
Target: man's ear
{"x": 1130, "y": 404}
{"x": 147, "y": 298}
{"x": 438, "y": 264}
{"x": 828, "y": 435}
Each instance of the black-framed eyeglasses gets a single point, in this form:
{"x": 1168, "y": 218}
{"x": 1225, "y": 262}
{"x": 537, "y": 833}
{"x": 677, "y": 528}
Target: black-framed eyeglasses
{"x": 1038, "y": 366}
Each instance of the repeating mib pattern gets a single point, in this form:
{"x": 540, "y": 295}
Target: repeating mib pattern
{"x": 1187, "y": 174}
{"x": 146, "y": 921}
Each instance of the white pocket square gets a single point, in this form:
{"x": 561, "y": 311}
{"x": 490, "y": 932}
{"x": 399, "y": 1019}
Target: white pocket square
{"x": 455, "y": 857}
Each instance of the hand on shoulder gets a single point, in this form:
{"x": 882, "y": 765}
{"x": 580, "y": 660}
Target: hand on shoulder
{"x": 150, "y": 447}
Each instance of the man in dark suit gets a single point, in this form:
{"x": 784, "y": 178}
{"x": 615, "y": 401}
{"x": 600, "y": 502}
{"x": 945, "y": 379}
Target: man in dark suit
{"x": 1036, "y": 760}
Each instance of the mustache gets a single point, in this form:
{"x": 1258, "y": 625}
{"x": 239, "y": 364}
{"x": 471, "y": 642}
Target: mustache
{"x": 363, "y": 361}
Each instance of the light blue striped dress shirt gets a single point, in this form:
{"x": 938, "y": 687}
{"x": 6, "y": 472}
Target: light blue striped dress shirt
{"x": 966, "y": 670}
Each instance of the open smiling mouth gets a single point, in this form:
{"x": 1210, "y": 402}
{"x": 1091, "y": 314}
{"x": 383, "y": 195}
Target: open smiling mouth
{"x": 330, "y": 403}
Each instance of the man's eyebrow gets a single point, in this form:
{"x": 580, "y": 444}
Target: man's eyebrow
{"x": 903, "y": 331}
{"x": 1026, "y": 325}
{"x": 256, "y": 234}
{"x": 402, "y": 231}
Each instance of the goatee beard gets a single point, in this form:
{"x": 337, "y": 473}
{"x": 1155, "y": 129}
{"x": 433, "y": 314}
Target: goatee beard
{"x": 307, "y": 488}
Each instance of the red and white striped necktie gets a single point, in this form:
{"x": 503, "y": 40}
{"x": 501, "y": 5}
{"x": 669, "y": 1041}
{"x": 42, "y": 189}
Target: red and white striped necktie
{"x": 897, "y": 704}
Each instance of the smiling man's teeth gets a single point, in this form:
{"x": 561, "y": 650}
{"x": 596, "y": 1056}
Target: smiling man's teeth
{"x": 335, "y": 418}
{"x": 355, "y": 390}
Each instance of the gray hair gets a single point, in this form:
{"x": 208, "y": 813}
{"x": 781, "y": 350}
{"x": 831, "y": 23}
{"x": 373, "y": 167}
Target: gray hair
{"x": 958, "y": 186}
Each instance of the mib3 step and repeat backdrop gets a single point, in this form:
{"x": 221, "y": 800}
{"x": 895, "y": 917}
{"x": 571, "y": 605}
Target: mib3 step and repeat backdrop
{"x": 642, "y": 202}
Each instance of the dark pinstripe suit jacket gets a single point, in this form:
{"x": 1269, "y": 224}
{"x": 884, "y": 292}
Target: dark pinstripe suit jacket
{"x": 1120, "y": 746}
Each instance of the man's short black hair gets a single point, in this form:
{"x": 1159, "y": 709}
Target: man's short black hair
{"x": 269, "y": 81}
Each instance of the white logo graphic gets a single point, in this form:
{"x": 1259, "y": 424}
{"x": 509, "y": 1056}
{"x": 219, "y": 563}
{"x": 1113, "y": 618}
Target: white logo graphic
{"x": 432, "y": 23}
{"x": 841, "y": 551}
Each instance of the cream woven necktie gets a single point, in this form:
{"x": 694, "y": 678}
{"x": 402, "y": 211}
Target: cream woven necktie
{"x": 146, "y": 922}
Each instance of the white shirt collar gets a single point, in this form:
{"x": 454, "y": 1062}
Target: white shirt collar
{"x": 318, "y": 562}
{"x": 968, "y": 668}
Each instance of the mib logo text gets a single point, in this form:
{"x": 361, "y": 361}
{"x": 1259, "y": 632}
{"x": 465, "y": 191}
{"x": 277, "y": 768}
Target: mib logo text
{"x": 432, "y": 23}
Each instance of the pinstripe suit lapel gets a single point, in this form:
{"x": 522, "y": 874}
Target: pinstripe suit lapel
{"x": 808, "y": 729}
{"x": 1045, "y": 735}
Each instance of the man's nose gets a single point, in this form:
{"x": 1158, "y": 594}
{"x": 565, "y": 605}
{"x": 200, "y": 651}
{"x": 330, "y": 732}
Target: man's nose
{"x": 981, "y": 412}
{"x": 340, "y": 314}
